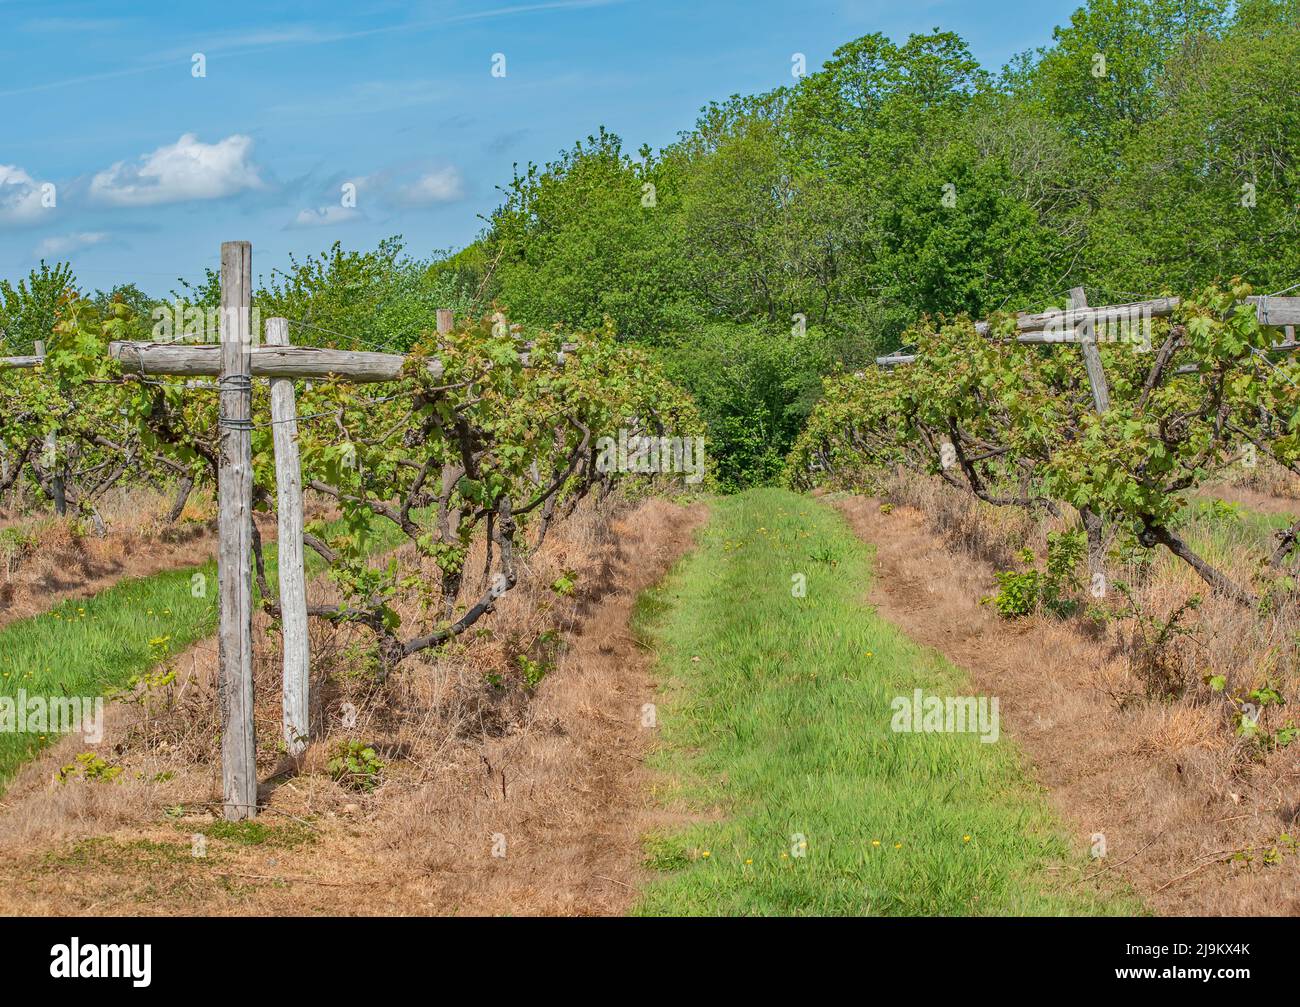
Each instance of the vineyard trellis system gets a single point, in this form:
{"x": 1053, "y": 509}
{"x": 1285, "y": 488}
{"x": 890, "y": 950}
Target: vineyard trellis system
{"x": 977, "y": 405}
{"x": 480, "y": 430}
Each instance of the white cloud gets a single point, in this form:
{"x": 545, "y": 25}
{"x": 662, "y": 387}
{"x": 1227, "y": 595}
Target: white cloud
{"x": 325, "y": 216}
{"x": 20, "y": 196}
{"x": 436, "y": 187}
{"x": 66, "y": 243}
{"x": 187, "y": 169}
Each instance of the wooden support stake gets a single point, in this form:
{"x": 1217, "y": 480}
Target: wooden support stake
{"x": 235, "y": 535}
{"x": 1091, "y": 355}
{"x": 293, "y": 578}
{"x": 51, "y": 453}
{"x": 1087, "y": 334}
{"x": 445, "y": 321}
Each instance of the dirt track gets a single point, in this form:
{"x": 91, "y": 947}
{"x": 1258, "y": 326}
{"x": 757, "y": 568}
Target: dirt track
{"x": 1145, "y": 777}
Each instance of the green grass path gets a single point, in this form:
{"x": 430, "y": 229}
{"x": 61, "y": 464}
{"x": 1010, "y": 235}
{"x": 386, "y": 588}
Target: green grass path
{"x": 781, "y": 732}
{"x": 87, "y": 647}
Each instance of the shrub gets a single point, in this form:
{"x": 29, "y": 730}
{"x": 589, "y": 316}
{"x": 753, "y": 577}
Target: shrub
{"x": 356, "y": 765}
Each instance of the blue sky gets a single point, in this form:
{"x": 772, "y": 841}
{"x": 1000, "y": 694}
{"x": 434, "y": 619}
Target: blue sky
{"x": 152, "y": 167}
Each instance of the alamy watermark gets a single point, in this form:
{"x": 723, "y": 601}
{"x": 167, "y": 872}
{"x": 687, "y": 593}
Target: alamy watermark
{"x": 652, "y": 455}
{"x": 188, "y": 323}
{"x": 24, "y": 714}
{"x": 922, "y": 714}
{"x": 75, "y": 960}
{"x": 1130, "y": 324}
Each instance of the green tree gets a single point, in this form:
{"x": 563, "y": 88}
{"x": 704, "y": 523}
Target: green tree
{"x": 28, "y": 311}
{"x": 1210, "y": 188}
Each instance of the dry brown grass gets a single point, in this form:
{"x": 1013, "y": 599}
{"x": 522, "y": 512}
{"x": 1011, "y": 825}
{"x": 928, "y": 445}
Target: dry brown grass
{"x": 556, "y": 771}
{"x": 1165, "y": 778}
{"x": 994, "y": 534}
{"x": 1264, "y": 480}
{"x": 46, "y": 559}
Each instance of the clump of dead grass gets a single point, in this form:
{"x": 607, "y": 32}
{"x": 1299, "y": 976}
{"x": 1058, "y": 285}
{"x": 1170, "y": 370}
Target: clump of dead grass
{"x": 993, "y": 534}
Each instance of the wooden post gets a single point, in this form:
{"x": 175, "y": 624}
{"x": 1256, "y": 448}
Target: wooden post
{"x": 1092, "y": 521}
{"x": 1091, "y": 355}
{"x": 293, "y": 578}
{"x": 235, "y": 538}
{"x": 51, "y": 451}
{"x": 445, "y": 321}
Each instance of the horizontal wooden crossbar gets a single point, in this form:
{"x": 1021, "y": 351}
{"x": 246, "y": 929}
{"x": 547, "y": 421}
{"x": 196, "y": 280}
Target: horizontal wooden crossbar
{"x": 204, "y": 361}
{"x": 1071, "y": 325}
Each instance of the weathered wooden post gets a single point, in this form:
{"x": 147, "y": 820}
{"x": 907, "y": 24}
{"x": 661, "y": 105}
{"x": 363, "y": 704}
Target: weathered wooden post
{"x": 1092, "y": 523}
{"x": 445, "y": 321}
{"x": 293, "y": 578}
{"x": 235, "y": 539}
{"x": 50, "y": 453}
{"x": 1087, "y": 333}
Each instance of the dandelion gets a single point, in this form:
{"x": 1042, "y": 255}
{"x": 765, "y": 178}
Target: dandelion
{"x": 750, "y": 861}
{"x": 875, "y": 842}
{"x": 965, "y": 839}
{"x": 705, "y": 853}
{"x": 898, "y": 846}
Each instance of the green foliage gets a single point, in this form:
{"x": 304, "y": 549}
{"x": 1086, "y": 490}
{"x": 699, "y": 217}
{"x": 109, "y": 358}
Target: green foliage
{"x": 755, "y": 386}
{"x": 1208, "y": 188}
{"x": 565, "y": 584}
{"x": 1105, "y": 103}
{"x": 1018, "y": 593}
{"x": 1251, "y": 716}
{"x": 533, "y": 671}
{"x": 90, "y": 767}
{"x": 29, "y": 311}
{"x": 375, "y": 300}
{"x": 356, "y": 765}
{"x": 1015, "y": 424}
{"x": 1023, "y": 593}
